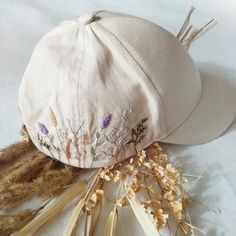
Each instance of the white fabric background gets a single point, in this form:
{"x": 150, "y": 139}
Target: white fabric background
{"x": 22, "y": 23}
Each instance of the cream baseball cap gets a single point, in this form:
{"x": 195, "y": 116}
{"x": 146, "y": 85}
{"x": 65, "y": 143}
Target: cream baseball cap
{"x": 103, "y": 86}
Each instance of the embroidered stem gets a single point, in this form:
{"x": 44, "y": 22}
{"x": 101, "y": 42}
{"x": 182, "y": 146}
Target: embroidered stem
{"x": 58, "y": 152}
{"x": 60, "y": 142}
{"x": 75, "y": 141}
{"x": 45, "y": 145}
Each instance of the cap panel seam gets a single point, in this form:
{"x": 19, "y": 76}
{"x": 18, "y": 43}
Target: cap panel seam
{"x": 142, "y": 69}
{"x": 140, "y": 19}
{"x": 79, "y": 79}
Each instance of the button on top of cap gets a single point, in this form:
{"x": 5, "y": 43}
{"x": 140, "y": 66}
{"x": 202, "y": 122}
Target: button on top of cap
{"x": 86, "y": 19}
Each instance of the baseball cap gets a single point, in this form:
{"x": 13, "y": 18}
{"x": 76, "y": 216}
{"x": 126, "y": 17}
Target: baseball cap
{"x": 101, "y": 87}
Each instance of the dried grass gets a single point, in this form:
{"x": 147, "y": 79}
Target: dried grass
{"x": 50, "y": 182}
{"x": 50, "y": 212}
{"x": 110, "y": 227}
{"x": 38, "y": 175}
{"x": 25, "y": 170}
{"x": 14, "y": 151}
{"x": 11, "y": 223}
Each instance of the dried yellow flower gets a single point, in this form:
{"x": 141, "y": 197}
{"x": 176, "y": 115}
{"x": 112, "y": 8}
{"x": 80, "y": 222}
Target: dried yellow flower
{"x": 176, "y": 206}
{"x": 122, "y": 202}
{"x": 105, "y": 175}
{"x": 170, "y": 196}
{"x": 116, "y": 175}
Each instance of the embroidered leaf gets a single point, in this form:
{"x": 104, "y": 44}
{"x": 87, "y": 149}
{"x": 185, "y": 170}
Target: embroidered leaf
{"x": 93, "y": 150}
{"x": 85, "y": 138}
{"x": 40, "y": 139}
{"x": 98, "y": 135}
{"x": 97, "y": 157}
{"x": 68, "y": 153}
{"x": 42, "y": 142}
{"x": 52, "y": 117}
{"x": 51, "y": 139}
{"x": 101, "y": 141}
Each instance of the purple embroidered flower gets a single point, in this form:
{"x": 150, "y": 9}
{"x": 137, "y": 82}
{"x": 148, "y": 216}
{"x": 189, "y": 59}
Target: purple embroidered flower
{"x": 43, "y": 128}
{"x": 106, "y": 121}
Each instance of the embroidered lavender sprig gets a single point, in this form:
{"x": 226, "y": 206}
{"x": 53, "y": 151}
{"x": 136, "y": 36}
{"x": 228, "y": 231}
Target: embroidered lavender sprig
{"x": 106, "y": 121}
{"x": 43, "y": 128}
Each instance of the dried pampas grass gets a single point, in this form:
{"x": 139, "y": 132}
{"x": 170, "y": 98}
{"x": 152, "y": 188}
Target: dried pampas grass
{"x": 25, "y": 170}
{"x": 14, "y": 151}
{"x": 38, "y": 175}
{"x": 11, "y": 223}
{"x": 15, "y": 193}
{"x": 50, "y": 182}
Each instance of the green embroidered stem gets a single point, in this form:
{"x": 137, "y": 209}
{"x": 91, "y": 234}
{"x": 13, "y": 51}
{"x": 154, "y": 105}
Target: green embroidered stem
{"x": 44, "y": 144}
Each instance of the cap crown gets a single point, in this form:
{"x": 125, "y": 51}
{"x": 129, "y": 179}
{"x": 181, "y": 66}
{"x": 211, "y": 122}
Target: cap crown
{"x": 103, "y": 86}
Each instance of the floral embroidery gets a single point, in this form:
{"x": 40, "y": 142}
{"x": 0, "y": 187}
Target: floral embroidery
{"x": 106, "y": 121}
{"x": 138, "y": 133}
{"x": 43, "y": 128}
{"x": 85, "y": 139}
{"x": 44, "y": 143}
{"x": 76, "y": 143}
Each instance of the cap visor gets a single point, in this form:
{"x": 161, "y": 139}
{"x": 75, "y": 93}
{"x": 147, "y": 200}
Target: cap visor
{"x": 214, "y": 113}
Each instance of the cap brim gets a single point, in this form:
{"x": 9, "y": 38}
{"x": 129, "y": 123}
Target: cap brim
{"x": 213, "y": 114}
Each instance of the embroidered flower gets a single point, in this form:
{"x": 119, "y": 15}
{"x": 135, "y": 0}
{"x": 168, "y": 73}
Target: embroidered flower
{"x": 106, "y": 121}
{"x": 85, "y": 139}
{"x": 76, "y": 143}
{"x": 43, "y": 128}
